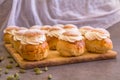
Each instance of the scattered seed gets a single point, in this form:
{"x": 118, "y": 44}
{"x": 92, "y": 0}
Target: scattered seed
{"x": 16, "y": 76}
{"x": 38, "y": 72}
{"x": 36, "y": 69}
{"x": 16, "y": 65}
{"x": 11, "y": 77}
{"x": 49, "y": 77}
{"x": 9, "y": 66}
{"x": 22, "y": 71}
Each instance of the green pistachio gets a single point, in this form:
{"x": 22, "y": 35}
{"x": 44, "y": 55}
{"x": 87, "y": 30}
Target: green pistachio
{"x": 17, "y": 65}
{"x": 36, "y": 69}
{"x": 22, "y": 71}
{"x": 16, "y": 76}
{"x": 38, "y": 72}
{"x": 9, "y": 66}
{"x": 11, "y": 77}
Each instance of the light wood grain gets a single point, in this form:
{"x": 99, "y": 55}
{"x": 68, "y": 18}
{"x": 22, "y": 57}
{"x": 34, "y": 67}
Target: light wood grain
{"x": 54, "y": 58}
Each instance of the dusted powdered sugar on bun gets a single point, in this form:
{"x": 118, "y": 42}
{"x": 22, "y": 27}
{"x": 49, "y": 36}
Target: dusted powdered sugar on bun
{"x": 11, "y": 29}
{"x": 85, "y": 29}
{"x": 55, "y": 31}
{"x": 70, "y": 27}
{"x": 19, "y": 35}
{"x": 97, "y": 33}
{"x": 71, "y": 36}
{"x": 34, "y": 37}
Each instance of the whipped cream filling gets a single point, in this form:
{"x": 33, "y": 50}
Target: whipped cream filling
{"x": 19, "y": 35}
{"x": 55, "y": 33}
{"x": 70, "y": 27}
{"x": 95, "y": 35}
{"x": 33, "y": 40}
{"x": 85, "y": 29}
{"x": 12, "y": 32}
{"x": 71, "y": 38}
{"x": 103, "y": 31}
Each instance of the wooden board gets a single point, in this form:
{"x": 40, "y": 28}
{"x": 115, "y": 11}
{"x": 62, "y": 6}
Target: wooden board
{"x": 55, "y": 59}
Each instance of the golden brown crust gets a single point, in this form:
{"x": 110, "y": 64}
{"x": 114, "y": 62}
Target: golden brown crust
{"x": 71, "y": 49}
{"x": 16, "y": 45}
{"x": 7, "y": 38}
{"x": 52, "y": 42}
{"x": 99, "y": 46}
{"x": 34, "y": 52}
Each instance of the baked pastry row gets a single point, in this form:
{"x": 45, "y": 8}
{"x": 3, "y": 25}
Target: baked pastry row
{"x": 34, "y": 43}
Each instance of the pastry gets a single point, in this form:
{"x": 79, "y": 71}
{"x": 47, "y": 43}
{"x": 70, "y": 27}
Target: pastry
{"x": 98, "y": 41}
{"x": 52, "y": 36}
{"x": 8, "y": 33}
{"x": 34, "y": 45}
{"x": 71, "y": 44}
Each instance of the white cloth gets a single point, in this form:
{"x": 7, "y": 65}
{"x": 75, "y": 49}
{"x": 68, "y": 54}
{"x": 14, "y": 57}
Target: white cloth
{"x": 96, "y": 13}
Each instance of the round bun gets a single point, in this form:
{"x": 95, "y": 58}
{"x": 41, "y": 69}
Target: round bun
{"x": 34, "y": 52}
{"x": 68, "y": 49}
{"x": 71, "y": 43}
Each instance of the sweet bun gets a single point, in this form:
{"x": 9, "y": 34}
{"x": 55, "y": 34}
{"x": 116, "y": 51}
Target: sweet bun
{"x": 34, "y": 45}
{"x": 71, "y": 44}
{"x": 98, "y": 41}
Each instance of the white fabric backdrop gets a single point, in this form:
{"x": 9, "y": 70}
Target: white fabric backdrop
{"x": 96, "y": 13}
